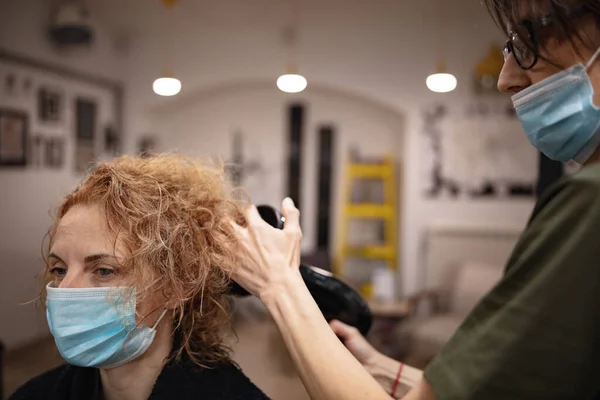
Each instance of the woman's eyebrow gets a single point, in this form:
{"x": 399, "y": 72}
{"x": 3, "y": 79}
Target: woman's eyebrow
{"x": 96, "y": 257}
{"x": 53, "y": 255}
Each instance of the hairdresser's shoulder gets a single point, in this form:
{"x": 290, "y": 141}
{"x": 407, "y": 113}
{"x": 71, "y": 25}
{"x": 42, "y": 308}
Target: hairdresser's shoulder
{"x": 42, "y": 386}
{"x": 588, "y": 175}
{"x": 579, "y": 189}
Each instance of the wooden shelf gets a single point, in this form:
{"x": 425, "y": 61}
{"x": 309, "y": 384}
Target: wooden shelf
{"x": 366, "y": 210}
{"x": 395, "y": 309}
{"x": 373, "y": 252}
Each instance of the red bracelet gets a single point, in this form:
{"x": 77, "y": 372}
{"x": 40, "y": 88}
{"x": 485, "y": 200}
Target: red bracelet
{"x": 397, "y": 380}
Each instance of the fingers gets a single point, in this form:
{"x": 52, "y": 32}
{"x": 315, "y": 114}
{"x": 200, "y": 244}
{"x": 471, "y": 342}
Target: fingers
{"x": 253, "y": 220}
{"x": 253, "y": 217}
{"x": 342, "y": 330}
{"x": 247, "y": 241}
{"x": 241, "y": 233}
{"x": 291, "y": 215}
{"x": 292, "y": 228}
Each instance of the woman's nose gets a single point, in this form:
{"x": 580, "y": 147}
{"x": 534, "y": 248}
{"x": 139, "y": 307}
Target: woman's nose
{"x": 513, "y": 78}
{"x": 73, "y": 280}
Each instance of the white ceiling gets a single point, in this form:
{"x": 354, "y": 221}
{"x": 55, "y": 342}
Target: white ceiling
{"x": 134, "y": 17}
{"x": 380, "y": 48}
{"x": 140, "y": 16}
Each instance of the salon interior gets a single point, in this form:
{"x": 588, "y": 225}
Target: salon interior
{"x": 380, "y": 119}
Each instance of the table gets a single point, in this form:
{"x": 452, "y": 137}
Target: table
{"x": 395, "y": 309}
{"x": 387, "y": 316}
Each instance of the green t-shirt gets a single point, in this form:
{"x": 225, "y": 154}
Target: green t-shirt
{"x": 536, "y": 335}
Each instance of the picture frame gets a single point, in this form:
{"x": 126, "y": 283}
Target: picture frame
{"x": 10, "y": 83}
{"x": 85, "y": 133}
{"x": 112, "y": 143}
{"x": 54, "y": 152}
{"x": 50, "y": 105}
{"x": 13, "y": 137}
{"x": 146, "y": 146}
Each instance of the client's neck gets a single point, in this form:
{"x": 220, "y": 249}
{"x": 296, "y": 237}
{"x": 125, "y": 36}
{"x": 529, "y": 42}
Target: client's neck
{"x": 135, "y": 379}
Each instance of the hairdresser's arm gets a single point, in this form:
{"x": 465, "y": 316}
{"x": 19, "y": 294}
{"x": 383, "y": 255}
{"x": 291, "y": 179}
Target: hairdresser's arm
{"x": 327, "y": 369}
{"x": 384, "y": 369}
{"x": 271, "y": 272}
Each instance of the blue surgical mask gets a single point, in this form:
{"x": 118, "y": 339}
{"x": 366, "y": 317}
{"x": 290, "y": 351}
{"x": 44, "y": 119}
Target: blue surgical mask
{"x": 96, "y": 327}
{"x": 559, "y": 115}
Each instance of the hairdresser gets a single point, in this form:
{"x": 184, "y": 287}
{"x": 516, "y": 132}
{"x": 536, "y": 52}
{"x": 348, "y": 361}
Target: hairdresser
{"x": 536, "y": 334}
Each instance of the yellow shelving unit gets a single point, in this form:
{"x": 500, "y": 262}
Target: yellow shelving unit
{"x": 385, "y": 212}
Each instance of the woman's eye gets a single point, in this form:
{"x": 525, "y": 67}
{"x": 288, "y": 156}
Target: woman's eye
{"x": 58, "y": 272}
{"x": 104, "y": 271}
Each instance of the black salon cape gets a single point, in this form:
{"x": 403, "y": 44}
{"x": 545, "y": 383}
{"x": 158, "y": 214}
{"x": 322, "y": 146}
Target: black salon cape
{"x": 178, "y": 380}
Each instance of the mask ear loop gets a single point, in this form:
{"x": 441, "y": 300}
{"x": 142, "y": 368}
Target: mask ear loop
{"x": 159, "y": 319}
{"x": 593, "y": 59}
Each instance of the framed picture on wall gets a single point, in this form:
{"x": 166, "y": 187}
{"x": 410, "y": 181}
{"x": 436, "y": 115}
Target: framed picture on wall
{"x": 112, "y": 143}
{"x": 13, "y": 138}
{"x": 50, "y": 105}
{"x": 10, "y": 83}
{"x": 146, "y": 146}
{"x": 85, "y": 135}
{"x": 54, "y": 152}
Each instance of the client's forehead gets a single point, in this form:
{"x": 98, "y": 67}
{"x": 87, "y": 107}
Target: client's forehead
{"x": 83, "y": 221}
{"x": 84, "y": 229}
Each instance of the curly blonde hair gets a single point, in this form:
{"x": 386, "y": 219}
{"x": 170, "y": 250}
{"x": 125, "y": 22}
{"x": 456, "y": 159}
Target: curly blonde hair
{"x": 173, "y": 214}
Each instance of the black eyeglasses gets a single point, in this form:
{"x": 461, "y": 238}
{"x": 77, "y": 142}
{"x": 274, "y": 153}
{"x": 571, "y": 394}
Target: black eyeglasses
{"x": 523, "y": 46}
{"x": 524, "y": 43}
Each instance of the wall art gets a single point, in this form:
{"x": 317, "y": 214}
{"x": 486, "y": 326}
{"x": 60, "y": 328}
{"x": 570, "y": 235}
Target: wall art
{"x": 13, "y": 137}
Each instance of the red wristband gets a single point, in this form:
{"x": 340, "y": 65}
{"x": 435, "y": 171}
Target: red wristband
{"x": 397, "y": 381}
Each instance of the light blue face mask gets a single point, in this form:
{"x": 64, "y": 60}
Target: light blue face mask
{"x": 559, "y": 115}
{"x": 96, "y": 327}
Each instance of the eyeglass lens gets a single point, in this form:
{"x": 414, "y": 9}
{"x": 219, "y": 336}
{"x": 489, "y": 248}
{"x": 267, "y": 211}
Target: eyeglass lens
{"x": 522, "y": 52}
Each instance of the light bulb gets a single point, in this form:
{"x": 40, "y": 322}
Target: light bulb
{"x": 291, "y": 83}
{"x": 441, "y": 82}
{"x": 166, "y": 86}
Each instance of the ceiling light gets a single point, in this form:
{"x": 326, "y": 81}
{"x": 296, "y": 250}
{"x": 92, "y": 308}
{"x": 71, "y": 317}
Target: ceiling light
{"x": 291, "y": 83}
{"x": 166, "y": 86}
{"x": 441, "y": 82}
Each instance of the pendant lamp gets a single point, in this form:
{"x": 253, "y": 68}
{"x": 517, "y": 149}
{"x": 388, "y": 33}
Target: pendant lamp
{"x": 167, "y": 84}
{"x": 292, "y": 81}
{"x": 441, "y": 81}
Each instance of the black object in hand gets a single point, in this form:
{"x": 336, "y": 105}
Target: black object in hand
{"x": 335, "y": 298}
{"x": 273, "y": 218}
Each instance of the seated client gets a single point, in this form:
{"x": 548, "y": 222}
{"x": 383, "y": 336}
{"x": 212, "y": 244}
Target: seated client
{"x": 134, "y": 288}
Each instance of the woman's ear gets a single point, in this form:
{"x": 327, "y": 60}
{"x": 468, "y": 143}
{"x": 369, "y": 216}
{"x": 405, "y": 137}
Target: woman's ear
{"x": 166, "y": 298}
{"x": 170, "y": 300}
{"x": 171, "y": 304}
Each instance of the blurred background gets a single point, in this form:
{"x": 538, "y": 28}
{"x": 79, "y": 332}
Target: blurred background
{"x": 380, "y": 118}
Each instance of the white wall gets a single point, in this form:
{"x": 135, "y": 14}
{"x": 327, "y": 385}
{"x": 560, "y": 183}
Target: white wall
{"x": 28, "y": 195}
{"x": 204, "y": 126}
{"x": 379, "y": 50}
{"x": 23, "y": 29}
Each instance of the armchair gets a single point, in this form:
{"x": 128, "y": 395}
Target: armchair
{"x": 438, "y": 313}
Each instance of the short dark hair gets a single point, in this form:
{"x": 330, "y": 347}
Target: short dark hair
{"x": 511, "y": 13}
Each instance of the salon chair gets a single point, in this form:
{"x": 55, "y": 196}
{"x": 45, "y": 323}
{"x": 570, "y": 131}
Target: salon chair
{"x": 442, "y": 310}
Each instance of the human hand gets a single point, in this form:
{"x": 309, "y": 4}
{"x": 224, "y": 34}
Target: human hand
{"x": 355, "y": 343}
{"x": 271, "y": 256}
